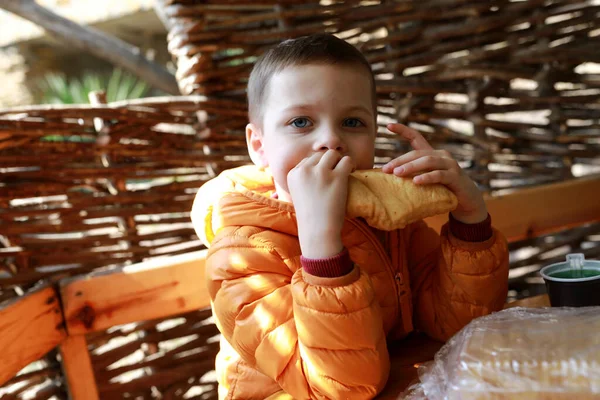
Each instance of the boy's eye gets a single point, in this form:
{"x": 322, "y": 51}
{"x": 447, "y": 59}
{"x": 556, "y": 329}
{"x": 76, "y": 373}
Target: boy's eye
{"x": 301, "y": 123}
{"x": 353, "y": 123}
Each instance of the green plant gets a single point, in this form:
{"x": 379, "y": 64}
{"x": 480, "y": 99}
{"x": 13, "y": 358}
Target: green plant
{"x": 56, "y": 88}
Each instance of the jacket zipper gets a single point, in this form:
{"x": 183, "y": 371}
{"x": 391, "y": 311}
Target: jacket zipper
{"x": 383, "y": 255}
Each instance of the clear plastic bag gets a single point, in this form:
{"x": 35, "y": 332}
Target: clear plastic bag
{"x": 518, "y": 353}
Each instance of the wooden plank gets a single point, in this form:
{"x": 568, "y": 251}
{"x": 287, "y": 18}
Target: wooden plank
{"x": 405, "y": 357}
{"x": 149, "y": 290}
{"x": 539, "y": 301}
{"x": 542, "y": 209}
{"x": 77, "y": 366}
{"x": 30, "y": 327}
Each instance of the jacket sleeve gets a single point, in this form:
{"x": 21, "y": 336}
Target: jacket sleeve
{"x": 454, "y": 281}
{"x": 318, "y": 338}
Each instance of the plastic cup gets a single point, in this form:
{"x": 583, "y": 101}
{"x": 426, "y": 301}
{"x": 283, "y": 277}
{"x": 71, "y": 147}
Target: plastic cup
{"x": 574, "y": 283}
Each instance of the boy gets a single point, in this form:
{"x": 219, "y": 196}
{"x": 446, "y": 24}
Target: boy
{"x": 305, "y": 298}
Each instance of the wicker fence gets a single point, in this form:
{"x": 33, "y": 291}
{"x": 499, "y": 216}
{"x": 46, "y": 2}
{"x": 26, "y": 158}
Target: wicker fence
{"x": 93, "y": 188}
{"x": 85, "y": 190}
{"x": 501, "y": 84}
{"x": 90, "y": 187}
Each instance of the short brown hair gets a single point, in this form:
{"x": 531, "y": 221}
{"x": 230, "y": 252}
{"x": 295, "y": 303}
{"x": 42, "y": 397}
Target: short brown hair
{"x": 320, "y": 48}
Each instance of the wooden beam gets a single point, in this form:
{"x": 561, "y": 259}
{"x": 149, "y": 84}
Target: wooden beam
{"x": 149, "y": 290}
{"x": 95, "y": 42}
{"x": 77, "y": 367}
{"x": 542, "y": 209}
{"x": 538, "y": 301}
{"x": 30, "y": 327}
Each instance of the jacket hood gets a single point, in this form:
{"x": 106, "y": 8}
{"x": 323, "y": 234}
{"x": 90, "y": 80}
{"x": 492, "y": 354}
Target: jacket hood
{"x": 241, "y": 196}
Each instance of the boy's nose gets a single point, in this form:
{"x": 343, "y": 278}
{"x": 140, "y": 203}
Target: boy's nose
{"x": 330, "y": 141}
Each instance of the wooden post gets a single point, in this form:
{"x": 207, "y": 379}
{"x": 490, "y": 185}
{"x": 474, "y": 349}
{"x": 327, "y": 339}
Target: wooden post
{"x": 149, "y": 290}
{"x": 30, "y": 326}
{"x": 77, "y": 367}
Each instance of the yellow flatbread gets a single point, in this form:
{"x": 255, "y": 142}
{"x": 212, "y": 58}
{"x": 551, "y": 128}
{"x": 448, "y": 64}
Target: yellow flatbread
{"x": 388, "y": 202}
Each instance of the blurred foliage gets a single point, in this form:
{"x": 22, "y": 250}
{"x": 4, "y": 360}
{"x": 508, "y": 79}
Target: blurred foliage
{"x": 56, "y": 88}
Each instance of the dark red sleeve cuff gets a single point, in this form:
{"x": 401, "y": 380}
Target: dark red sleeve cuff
{"x": 332, "y": 267}
{"x": 479, "y": 232}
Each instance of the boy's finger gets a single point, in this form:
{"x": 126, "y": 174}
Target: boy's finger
{"x": 307, "y": 161}
{"x": 437, "y": 176}
{"x": 411, "y": 156}
{"x": 403, "y": 159}
{"x": 423, "y": 164}
{"x": 416, "y": 140}
{"x": 345, "y": 166}
{"x": 314, "y": 159}
{"x": 301, "y": 163}
{"x": 330, "y": 159}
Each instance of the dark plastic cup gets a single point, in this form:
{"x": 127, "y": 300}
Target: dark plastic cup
{"x": 576, "y": 291}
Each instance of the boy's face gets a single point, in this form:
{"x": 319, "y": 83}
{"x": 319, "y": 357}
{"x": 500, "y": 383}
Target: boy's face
{"x": 314, "y": 108}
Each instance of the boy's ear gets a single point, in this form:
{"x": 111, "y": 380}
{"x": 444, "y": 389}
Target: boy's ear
{"x": 254, "y": 141}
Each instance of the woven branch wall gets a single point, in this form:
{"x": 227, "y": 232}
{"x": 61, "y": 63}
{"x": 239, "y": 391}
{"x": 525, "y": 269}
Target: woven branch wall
{"x": 41, "y": 380}
{"x": 161, "y": 359}
{"x": 92, "y": 187}
{"x": 88, "y": 187}
{"x": 84, "y": 188}
{"x": 167, "y": 359}
{"x": 503, "y": 85}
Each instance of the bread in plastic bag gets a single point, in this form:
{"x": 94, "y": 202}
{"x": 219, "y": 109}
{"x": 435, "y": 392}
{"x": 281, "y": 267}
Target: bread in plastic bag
{"x": 518, "y": 353}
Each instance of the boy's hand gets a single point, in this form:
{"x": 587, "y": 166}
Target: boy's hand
{"x": 438, "y": 166}
{"x": 318, "y": 186}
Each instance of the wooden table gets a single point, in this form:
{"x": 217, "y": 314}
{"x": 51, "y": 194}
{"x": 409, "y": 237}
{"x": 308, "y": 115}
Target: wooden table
{"x": 407, "y": 354}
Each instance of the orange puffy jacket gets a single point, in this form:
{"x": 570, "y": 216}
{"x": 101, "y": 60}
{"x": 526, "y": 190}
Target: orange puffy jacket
{"x": 284, "y": 330}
